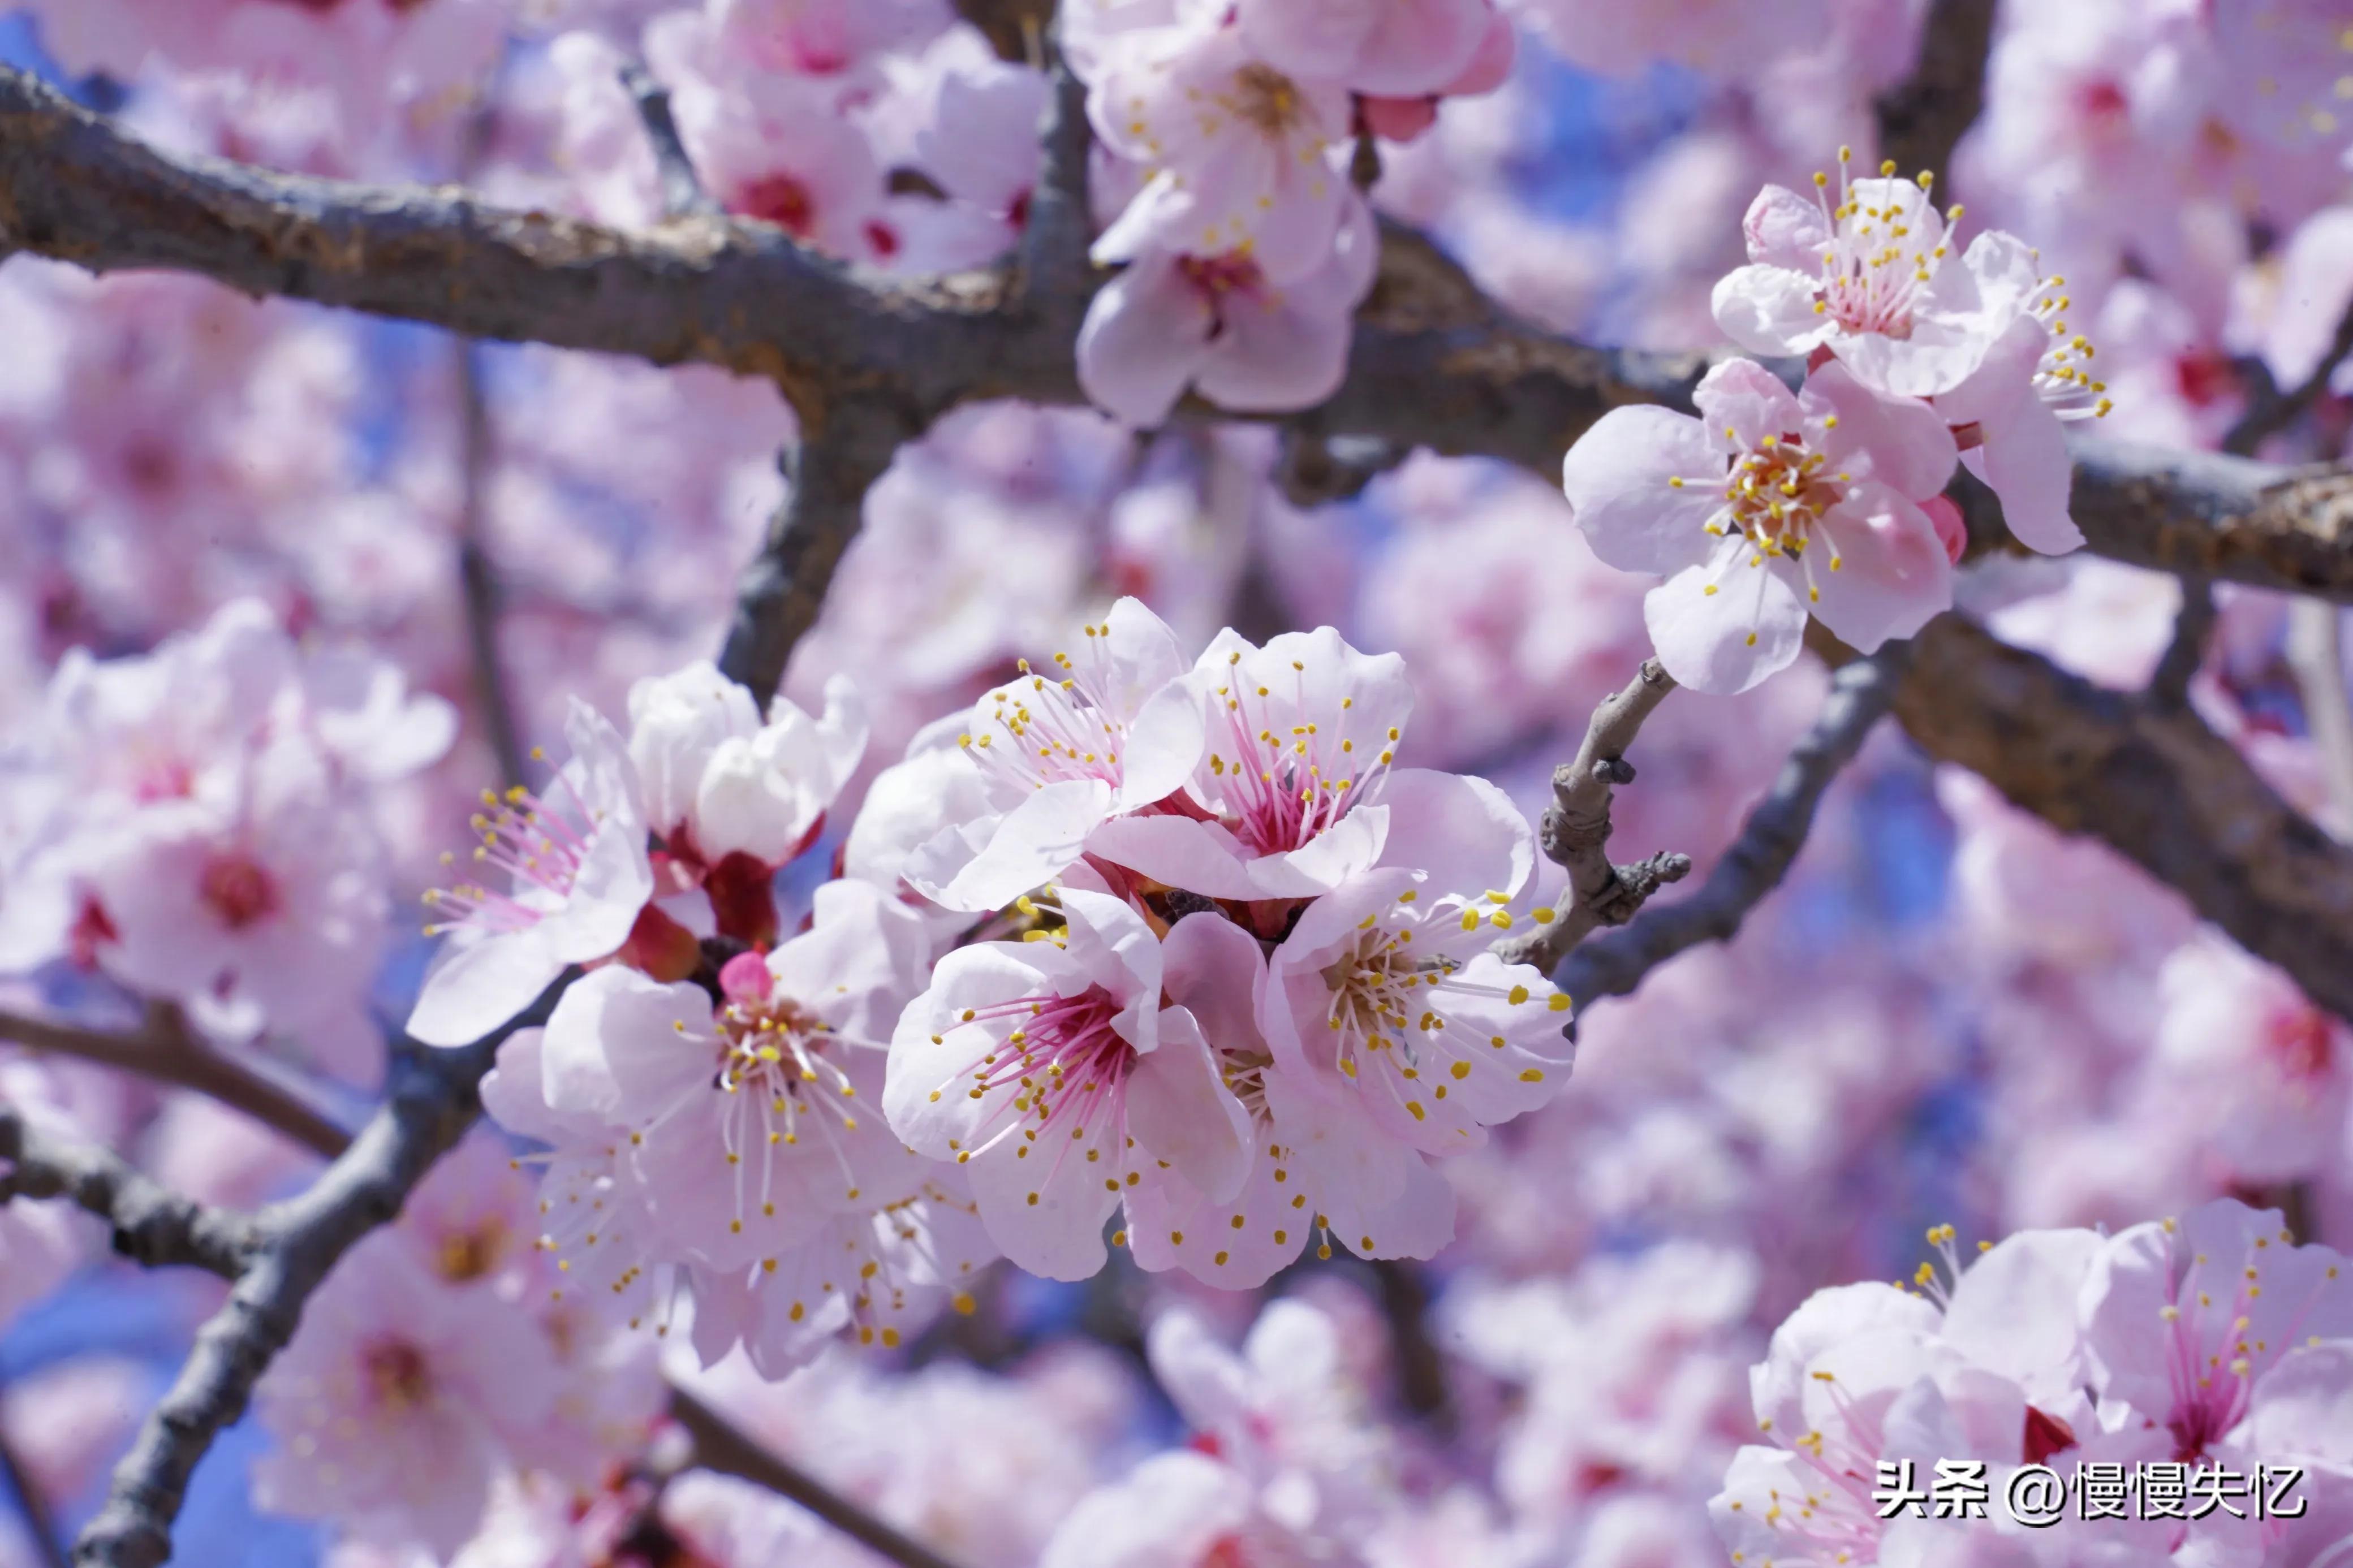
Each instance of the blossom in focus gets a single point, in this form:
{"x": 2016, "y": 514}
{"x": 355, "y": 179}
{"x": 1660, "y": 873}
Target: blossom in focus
{"x": 1110, "y": 731}
{"x": 1051, "y": 1073}
{"x": 575, "y": 862}
{"x": 1983, "y": 336}
{"x": 731, "y": 797}
{"x": 1767, "y": 508}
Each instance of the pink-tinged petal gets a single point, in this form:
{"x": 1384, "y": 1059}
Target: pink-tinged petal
{"x": 927, "y": 1093}
{"x": 1173, "y": 1509}
{"x": 2303, "y": 1408}
{"x": 1139, "y": 653}
{"x": 1891, "y": 572}
{"x": 614, "y": 882}
{"x": 1181, "y": 1111}
{"x": 1769, "y": 310}
{"x": 1034, "y": 843}
{"x": 1284, "y": 350}
{"x": 1463, "y": 832}
{"x": 1399, "y": 119}
{"x": 1170, "y": 1225}
{"x": 1214, "y": 970}
{"x": 1164, "y": 746}
{"x": 1952, "y": 529}
{"x": 1786, "y": 230}
{"x": 1919, "y": 366}
{"x": 1181, "y": 851}
{"x": 1047, "y": 1210}
{"x": 1336, "y": 1149}
{"x": 2024, "y": 459}
{"x": 1349, "y": 846}
{"x": 1416, "y": 1223}
{"x": 2014, "y": 1308}
{"x": 1407, "y": 47}
{"x": 1146, "y": 334}
{"x": 1109, "y": 943}
{"x": 1741, "y": 402}
{"x": 1491, "y": 63}
{"x": 2001, "y": 270}
{"x": 1726, "y": 641}
{"x": 510, "y": 1092}
{"x": 1908, "y": 445}
{"x": 1617, "y": 479}
{"x": 473, "y": 986}
{"x": 613, "y": 1046}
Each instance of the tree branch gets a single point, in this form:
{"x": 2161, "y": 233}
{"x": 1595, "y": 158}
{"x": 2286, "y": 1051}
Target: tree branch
{"x": 2268, "y": 416}
{"x": 477, "y": 581}
{"x": 2149, "y": 780}
{"x": 1613, "y": 965}
{"x": 169, "y": 1053}
{"x": 784, "y": 587}
{"x": 432, "y": 1100}
{"x": 683, "y": 192}
{"x": 1575, "y": 829}
{"x": 150, "y": 1223}
{"x": 1922, "y": 119}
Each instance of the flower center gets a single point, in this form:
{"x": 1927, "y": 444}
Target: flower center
{"x": 472, "y": 1254}
{"x": 1265, "y": 99}
{"x": 1879, "y": 258}
{"x": 538, "y": 848}
{"x": 1287, "y": 783}
{"x": 782, "y": 200}
{"x": 1043, "y": 732}
{"x": 237, "y": 889}
{"x": 396, "y": 1374}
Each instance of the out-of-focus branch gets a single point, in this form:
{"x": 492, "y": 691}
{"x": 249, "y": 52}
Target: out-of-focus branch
{"x": 2186, "y": 650}
{"x": 784, "y": 587}
{"x": 477, "y": 578}
{"x": 150, "y": 1223}
{"x": 432, "y": 1100}
{"x": 1054, "y": 263}
{"x": 2267, "y": 416}
{"x": 40, "y": 1523}
{"x": 1614, "y": 965}
{"x": 1012, "y": 27}
{"x": 720, "y": 1444}
{"x": 157, "y": 1227}
{"x": 1922, "y": 117}
{"x": 1576, "y": 830}
{"x": 2149, "y": 780}
{"x": 168, "y": 1052}
{"x": 2316, "y": 654}
{"x": 683, "y": 192}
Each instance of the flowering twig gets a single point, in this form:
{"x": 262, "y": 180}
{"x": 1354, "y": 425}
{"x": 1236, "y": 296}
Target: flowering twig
{"x": 1861, "y": 694}
{"x": 150, "y": 1223}
{"x": 682, "y": 187}
{"x": 39, "y": 1522}
{"x": 1576, "y": 830}
{"x": 167, "y": 1052}
{"x": 720, "y": 1445}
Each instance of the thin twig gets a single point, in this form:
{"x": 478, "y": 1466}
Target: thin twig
{"x": 1861, "y": 694}
{"x": 477, "y": 577}
{"x": 2192, "y": 623}
{"x": 2268, "y": 416}
{"x": 2316, "y": 654}
{"x": 41, "y": 1522}
{"x": 168, "y": 1052}
{"x": 151, "y": 1225}
{"x": 1576, "y": 831}
{"x": 720, "y": 1444}
{"x": 683, "y": 192}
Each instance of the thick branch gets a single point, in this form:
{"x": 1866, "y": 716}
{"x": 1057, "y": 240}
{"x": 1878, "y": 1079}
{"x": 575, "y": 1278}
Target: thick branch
{"x": 2152, "y": 781}
{"x": 168, "y": 1053}
{"x": 151, "y": 1225}
{"x": 1575, "y": 829}
{"x": 1768, "y": 845}
{"x": 720, "y": 1445}
{"x": 1922, "y": 119}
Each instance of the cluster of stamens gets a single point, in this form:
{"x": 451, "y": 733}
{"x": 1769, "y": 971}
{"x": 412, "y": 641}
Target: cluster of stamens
{"x": 1775, "y": 496}
{"x": 1284, "y": 783}
{"x": 535, "y": 847}
{"x": 1876, "y": 264}
{"x": 771, "y": 1061}
{"x": 1067, "y": 1067}
{"x": 1047, "y": 730}
{"x": 2063, "y": 378}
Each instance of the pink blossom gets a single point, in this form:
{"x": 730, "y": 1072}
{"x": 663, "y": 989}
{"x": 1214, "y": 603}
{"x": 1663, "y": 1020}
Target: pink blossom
{"x": 1220, "y": 323}
{"x": 1319, "y": 1167}
{"x": 1068, "y": 1033}
{"x": 1385, "y": 994}
{"x": 1299, "y": 790}
{"x": 395, "y": 1402}
{"x": 1113, "y": 732}
{"x": 979, "y": 136}
{"x": 1819, "y": 510}
{"x": 1387, "y": 48}
{"x": 576, "y": 858}
{"x": 820, "y": 37}
{"x": 1239, "y": 150}
{"x": 2295, "y": 56}
{"x": 2269, "y": 1074}
{"x": 2184, "y": 1320}
{"x": 2312, "y": 294}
